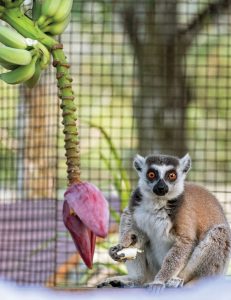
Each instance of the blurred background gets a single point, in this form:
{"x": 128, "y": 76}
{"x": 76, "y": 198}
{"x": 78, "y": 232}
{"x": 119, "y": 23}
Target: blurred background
{"x": 149, "y": 76}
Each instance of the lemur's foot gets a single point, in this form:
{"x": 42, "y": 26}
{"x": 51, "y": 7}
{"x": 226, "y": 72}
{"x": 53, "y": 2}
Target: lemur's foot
{"x": 155, "y": 287}
{"x": 174, "y": 282}
{"x": 113, "y": 283}
{"x": 118, "y": 283}
{"x": 113, "y": 253}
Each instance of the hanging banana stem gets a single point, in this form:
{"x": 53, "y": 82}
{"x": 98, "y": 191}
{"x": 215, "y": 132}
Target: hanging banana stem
{"x": 68, "y": 112}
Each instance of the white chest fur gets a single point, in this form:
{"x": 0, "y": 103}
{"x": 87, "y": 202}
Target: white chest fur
{"x": 152, "y": 219}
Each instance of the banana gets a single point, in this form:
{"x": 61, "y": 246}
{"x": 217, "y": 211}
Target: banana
{"x": 7, "y": 65}
{"x": 50, "y": 7}
{"x": 36, "y": 9}
{"x": 57, "y": 28}
{"x": 20, "y": 74}
{"x": 35, "y": 78}
{"x": 48, "y": 10}
{"x": 44, "y": 54}
{"x": 46, "y": 23}
{"x": 12, "y": 38}
{"x": 15, "y": 56}
{"x": 63, "y": 11}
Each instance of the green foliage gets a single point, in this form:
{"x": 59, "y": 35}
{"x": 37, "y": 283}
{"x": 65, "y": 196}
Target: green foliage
{"x": 209, "y": 112}
{"x": 101, "y": 10}
{"x": 115, "y": 167}
{"x": 8, "y": 159}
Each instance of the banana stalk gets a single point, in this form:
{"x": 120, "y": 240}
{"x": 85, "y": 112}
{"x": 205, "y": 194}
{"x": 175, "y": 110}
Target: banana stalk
{"x": 69, "y": 113}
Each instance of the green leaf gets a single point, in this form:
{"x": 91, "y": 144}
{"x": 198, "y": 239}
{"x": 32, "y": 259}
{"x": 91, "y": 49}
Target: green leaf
{"x": 120, "y": 175}
{"x": 114, "y": 215}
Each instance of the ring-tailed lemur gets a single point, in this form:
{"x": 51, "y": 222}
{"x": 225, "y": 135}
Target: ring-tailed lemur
{"x": 181, "y": 227}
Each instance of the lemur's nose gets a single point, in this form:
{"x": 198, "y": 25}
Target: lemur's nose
{"x": 160, "y": 188}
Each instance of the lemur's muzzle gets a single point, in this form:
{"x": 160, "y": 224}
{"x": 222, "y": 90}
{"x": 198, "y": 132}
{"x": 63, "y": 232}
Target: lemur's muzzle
{"x": 161, "y": 188}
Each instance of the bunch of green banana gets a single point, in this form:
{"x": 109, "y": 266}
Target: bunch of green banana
{"x": 27, "y": 72}
{"x": 52, "y": 16}
{"x": 21, "y": 74}
{"x": 25, "y": 58}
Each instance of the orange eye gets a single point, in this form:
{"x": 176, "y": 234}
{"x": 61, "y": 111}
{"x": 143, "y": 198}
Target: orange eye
{"x": 172, "y": 176}
{"x": 151, "y": 175}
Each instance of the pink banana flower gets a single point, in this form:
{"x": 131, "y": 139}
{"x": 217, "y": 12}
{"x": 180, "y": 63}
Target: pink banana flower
{"x": 86, "y": 215}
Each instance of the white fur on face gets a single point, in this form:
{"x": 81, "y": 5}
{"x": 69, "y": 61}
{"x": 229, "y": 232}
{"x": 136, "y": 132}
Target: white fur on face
{"x": 175, "y": 188}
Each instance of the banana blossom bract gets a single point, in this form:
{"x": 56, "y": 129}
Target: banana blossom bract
{"x": 86, "y": 215}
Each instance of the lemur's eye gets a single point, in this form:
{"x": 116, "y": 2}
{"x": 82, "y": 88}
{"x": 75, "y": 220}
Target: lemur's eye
{"x": 172, "y": 176}
{"x": 151, "y": 175}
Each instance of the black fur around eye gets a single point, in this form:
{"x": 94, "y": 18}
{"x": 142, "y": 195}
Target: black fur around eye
{"x": 171, "y": 175}
{"x": 152, "y": 175}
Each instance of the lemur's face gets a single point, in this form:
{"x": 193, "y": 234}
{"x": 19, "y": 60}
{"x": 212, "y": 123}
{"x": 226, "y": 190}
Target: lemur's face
{"x": 162, "y": 175}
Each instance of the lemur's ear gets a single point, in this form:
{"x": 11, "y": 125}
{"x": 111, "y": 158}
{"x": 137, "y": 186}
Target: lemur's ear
{"x": 185, "y": 163}
{"x": 138, "y": 163}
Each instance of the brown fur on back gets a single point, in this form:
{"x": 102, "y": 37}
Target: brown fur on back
{"x": 200, "y": 210}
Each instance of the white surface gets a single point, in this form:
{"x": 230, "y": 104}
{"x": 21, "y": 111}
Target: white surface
{"x": 216, "y": 289}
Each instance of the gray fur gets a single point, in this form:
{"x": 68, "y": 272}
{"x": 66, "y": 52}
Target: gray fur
{"x": 162, "y": 160}
{"x": 135, "y": 200}
{"x": 209, "y": 258}
{"x": 173, "y": 206}
{"x": 185, "y": 163}
{"x": 138, "y": 163}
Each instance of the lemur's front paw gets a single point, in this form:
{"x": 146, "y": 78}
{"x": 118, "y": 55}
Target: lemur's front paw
{"x": 175, "y": 282}
{"x": 113, "y": 253}
{"x": 129, "y": 239}
{"x": 155, "y": 287}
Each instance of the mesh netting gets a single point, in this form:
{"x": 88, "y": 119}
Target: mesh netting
{"x": 149, "y": 76}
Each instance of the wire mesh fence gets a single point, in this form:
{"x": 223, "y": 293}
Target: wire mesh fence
{"x": 149, "y": 76}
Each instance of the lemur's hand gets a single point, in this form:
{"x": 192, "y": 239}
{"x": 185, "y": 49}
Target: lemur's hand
{"x": 128, "y": 239}
{"x": 113, "y": 253}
